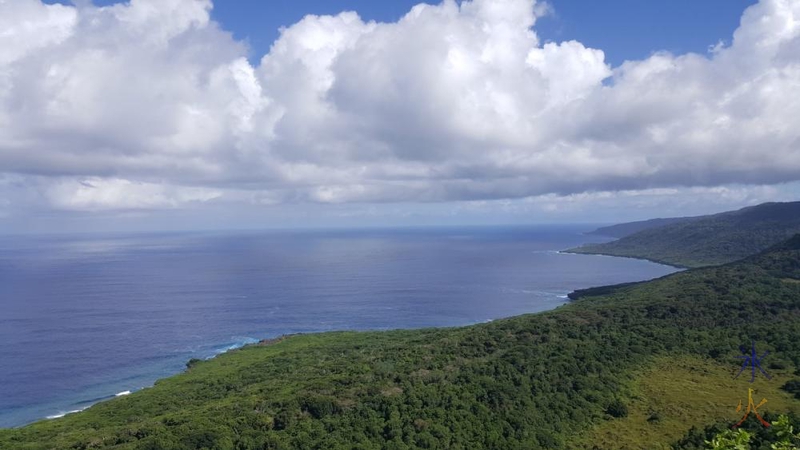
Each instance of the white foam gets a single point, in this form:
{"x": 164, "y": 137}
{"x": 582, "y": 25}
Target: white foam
{"x": 236, "y": 345}
{"x": 60, "y": 415}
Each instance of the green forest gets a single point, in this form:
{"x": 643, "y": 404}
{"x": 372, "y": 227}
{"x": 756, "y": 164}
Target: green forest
{"x": 701, "y": 241}
{"x": 646, "y": 365}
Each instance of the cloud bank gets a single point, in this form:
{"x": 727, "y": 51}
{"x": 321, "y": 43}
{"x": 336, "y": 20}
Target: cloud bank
{"x": 151, "y": 104}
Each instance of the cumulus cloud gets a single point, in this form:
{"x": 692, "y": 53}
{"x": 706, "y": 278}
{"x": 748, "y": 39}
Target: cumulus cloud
{"x": 150, "y": 104}
{"x": 104, "y": 193}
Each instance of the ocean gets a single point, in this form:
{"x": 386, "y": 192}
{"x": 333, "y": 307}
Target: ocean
{"x": 84, "y": 318}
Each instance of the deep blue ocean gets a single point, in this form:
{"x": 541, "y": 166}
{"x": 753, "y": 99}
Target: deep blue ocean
{"x": 84, "y": 318}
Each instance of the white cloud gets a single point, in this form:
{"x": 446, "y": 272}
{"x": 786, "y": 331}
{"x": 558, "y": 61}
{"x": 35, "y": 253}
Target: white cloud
{"x": 94, "y": 194}
{"x": 28, "y": 26}
{"x": 156, "y": 106}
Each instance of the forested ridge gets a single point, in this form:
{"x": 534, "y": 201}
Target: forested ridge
{"x": 625, "y": 229}
{"x": 702, "y": 241}
{"x": 551, "y": 380}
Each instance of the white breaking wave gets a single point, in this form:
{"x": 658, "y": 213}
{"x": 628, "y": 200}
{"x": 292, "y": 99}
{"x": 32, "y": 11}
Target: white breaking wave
{"x": 60, "y": 415}
{"x": 539, "y": 293}
{"x": 238, "y": 344}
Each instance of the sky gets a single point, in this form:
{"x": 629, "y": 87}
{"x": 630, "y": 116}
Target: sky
{"x": 188, "y": 114}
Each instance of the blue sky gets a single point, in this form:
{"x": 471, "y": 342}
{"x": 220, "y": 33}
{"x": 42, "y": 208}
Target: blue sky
{"x": 164, "y": 114}
{"x": 624, "y": 29}
{"x": 632, "y": 29}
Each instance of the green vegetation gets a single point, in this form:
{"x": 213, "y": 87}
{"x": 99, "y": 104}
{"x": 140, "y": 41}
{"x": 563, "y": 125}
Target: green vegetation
{"x": 630, "y": 368}
{"x": 628, "y": 228}
{"x": 703, "y": 241}
{"x": 792, "y": 387}
{"x": 675, "y": 392}
{"x": 780, "y": 435}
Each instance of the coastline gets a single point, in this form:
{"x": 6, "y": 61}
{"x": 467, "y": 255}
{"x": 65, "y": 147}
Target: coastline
{"x": 563, "y": 297}
{"x": 265, "y": 342}
{"x": 573, "y": 251}
{"x": 92, "y": 400}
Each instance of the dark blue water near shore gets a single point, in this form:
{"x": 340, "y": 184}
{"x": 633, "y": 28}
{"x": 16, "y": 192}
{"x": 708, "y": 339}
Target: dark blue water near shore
{"x": 83, "y": 318}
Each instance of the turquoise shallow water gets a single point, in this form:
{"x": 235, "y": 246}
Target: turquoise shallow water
{"x": 84, "y": 318}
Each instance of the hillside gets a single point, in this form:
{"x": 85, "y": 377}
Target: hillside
{"x": 631, "y": 367}
{"x": 707, "y": 240}
{"x": 628, "y": 228}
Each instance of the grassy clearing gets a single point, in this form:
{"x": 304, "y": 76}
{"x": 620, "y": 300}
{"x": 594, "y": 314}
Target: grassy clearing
{"x": 673, "y": 393}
